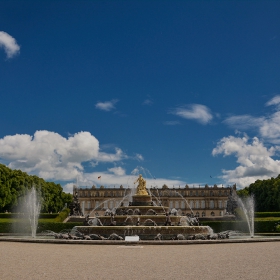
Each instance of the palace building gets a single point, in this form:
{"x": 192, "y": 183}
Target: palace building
{"x": 204, "y": 201}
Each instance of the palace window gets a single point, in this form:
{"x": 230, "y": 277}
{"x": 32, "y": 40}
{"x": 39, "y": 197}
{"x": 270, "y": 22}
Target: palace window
{"x": 197, "y": 204}
{"x": 191, "y": 204}
{"x": 183, "y": 204}
{"x": 212, "y": 213}
{"x": 211, "y": 204}
{"x": 202, "y": 204}
{"x": 203, "y": 214}
{"x": 111, "y": 205}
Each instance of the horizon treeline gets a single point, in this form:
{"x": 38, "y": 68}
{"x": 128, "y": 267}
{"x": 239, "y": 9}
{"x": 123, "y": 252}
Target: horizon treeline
{"x": 15, "y": 184}
{"x": 266, "y": 194}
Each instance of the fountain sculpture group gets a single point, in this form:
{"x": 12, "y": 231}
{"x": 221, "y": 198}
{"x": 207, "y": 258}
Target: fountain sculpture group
{"x": 144, "y": 219}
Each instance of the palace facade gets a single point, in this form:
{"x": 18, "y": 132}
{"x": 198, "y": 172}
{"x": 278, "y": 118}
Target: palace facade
{"x": 204, "y": 201}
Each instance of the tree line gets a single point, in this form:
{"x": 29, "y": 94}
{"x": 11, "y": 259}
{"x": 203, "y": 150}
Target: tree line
{"x": 266, "y": 194}
{"x": 15, "y": 184}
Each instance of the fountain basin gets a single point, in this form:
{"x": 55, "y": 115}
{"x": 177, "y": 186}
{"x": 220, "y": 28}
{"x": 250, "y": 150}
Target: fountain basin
{"x": 145, "y": 232}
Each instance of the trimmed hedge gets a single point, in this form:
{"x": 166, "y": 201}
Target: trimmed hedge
{"x": 24, "y": 227}
{"x": 260, "y": 226}
{"x": 266, "y": 214}
{"x": 19, "y": 215}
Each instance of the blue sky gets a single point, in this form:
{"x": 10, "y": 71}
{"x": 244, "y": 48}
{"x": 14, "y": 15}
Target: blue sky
{"x": 184, "y": 92}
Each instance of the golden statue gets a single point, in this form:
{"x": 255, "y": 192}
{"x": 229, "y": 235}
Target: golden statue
{"x": 141, "y": 188}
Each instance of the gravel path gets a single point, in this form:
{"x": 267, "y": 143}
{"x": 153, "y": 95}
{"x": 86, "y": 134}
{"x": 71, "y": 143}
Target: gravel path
{"x": 208, "y": 261}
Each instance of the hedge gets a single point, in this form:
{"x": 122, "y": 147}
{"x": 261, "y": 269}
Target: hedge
{"x": 259, "y": 226}
{"x": 24, "y": 227}
{"x": 266, "y": 214}
{"x": 19, "y": 215}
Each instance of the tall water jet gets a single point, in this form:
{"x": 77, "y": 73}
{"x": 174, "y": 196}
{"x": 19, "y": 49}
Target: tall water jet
{"x": 32, "y": 209}
{"x": 248, "y": 206}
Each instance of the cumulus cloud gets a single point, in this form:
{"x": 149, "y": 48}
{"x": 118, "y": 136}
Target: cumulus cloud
{"x": 254, "y": 159}
{"x": 53, "y": 156}
{"x": 9, "y": 44}
{"x": 197, "y": 112}
{"x": 117, "y": 171}
{"x": 107, "y": 105}
{"x": 274, "y": 101}
{"x": 268, "y": 126}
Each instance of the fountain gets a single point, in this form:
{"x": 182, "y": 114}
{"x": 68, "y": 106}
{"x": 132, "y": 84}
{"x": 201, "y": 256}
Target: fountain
{"x": 28, "y": 213}
{"x": 248, "y": 207}
{"x": 144, "y": 219}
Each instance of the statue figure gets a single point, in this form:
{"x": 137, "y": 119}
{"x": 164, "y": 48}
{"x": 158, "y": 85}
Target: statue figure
{"x": 141, "y": 188}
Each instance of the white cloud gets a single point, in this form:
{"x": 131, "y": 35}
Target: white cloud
{"x": 267, "y": 126}
{"x": 270, "y": 128}
{"x": 196, "y": 112}
{"x": 244, "y": 121}
{"x": 107, "y": 157}
{"x": 52, "y": 156}
{"x": 254, "y": 159}
{"x": 274, "y": 101}
{"x": 117, "y": 171}
{"x": 9, "y": 44}
{"x": 107, "y": 105}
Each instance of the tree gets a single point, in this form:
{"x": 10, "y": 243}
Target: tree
{"x": 14, "y": 185}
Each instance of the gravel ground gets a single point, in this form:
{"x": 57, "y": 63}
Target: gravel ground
{"x": 207, "y": 261}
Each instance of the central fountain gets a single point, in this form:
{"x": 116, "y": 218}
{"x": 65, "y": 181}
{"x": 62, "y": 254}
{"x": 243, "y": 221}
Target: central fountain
{"x": 144, "y": 219}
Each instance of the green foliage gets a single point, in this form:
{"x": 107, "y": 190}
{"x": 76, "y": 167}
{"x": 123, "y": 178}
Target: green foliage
{"x": 243, "y": 193}
{"x": 20, "y": 215}
{"x": 62, "y": 215}
{"x": 266, "y": 194}
{"x": 261, "y": 226}
{"x": 277, "y": 229}
{"x": 7, "y": 226}
{"x": 14, "y": 185}
{"x": 266, "y": 214}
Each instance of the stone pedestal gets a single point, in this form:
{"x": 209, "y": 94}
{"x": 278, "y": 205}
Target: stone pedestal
{"x": 141, "y": 200}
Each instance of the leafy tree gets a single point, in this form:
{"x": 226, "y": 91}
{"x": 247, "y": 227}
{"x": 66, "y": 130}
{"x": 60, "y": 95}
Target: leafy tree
{"x": 243, "y": 193}
{"x": 266, "y": 193}
{"x": 14, "y": 185}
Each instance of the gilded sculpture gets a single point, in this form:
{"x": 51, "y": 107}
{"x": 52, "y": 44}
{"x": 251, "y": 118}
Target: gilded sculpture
{"x": 141, "y": 188}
